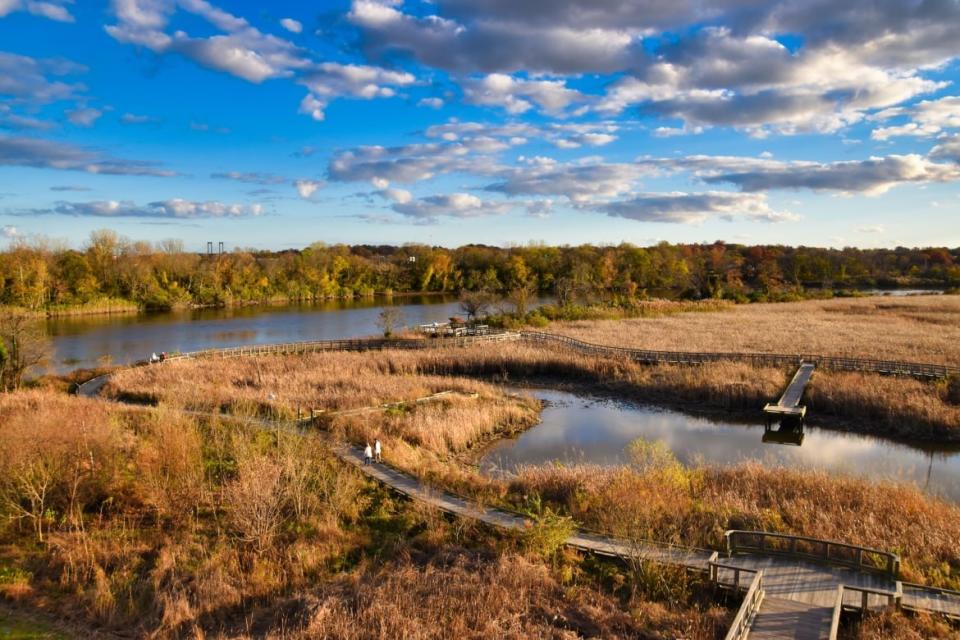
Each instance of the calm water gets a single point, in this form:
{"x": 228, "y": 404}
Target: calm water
{"x": 586, "y": 429}
{"x": 82, "y": 341}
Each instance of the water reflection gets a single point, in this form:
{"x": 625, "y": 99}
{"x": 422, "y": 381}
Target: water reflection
{"x": 84, "y": 340}
{"x": 584, "y": 429}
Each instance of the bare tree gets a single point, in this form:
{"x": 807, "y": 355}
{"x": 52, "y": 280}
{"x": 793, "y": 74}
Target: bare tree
{"x": 26, "y": 346}
{"x": 255, "y": 500}
{"x": 475, "y": 304}
{"x": 389, "y": 320}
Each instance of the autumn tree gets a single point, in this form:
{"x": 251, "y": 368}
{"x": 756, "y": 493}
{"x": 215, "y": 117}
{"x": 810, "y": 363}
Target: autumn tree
{"x": 24, "y": 345}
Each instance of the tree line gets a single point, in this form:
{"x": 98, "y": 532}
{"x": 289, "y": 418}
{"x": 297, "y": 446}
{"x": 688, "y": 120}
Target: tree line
{"x": 39, "y": 275}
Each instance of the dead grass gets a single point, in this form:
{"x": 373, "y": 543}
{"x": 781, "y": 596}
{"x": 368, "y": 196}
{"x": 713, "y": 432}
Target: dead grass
{"x": 922, "y": 328}
{"x": 695, "y": 506}
{"x": 510, "y": 597}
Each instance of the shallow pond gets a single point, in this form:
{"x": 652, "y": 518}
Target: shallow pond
{"x": 596, "y": 430}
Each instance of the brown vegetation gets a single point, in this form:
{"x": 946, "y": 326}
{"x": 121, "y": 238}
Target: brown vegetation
{"x": 659, "y": 499}
{"x": 916, "y": 328}
{"x": 168, "y": 525}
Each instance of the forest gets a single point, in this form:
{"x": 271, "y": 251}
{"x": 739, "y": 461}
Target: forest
{"x": 111, "y": 272}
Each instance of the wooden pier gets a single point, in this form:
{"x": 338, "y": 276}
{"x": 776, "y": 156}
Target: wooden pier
{"x": 789, "y": 403}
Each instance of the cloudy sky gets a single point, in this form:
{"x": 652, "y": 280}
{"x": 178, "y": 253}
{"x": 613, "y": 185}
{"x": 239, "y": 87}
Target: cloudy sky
{"x": 277, "y": 124}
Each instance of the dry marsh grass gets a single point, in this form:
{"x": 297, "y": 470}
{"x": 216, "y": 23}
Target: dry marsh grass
{"x": 921, "y": 328}
{"x": 667, "y": 502}
{"x": 158, "y": 524}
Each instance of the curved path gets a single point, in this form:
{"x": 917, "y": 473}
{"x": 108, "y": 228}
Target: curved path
{"x": 788, "y": 597}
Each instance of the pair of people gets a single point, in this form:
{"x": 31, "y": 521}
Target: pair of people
{"x": 370, "y": 453}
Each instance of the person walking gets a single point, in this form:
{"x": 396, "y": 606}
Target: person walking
{"x": 376, "y": 450}
{"x": 367, "y": 454}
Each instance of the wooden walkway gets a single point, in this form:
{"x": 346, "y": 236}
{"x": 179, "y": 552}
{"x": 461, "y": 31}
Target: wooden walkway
{"x": 800, "y": 599}
{"x": 789, "y": 403}
{"x": 799, "y": 586}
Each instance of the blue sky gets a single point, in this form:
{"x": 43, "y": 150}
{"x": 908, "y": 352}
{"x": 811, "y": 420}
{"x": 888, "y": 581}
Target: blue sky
{"x": 456, "y": 121}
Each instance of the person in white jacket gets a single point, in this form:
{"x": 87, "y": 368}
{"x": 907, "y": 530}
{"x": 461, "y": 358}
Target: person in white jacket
{"x": 367, "y": 454}
{"x": 377, "y": 450}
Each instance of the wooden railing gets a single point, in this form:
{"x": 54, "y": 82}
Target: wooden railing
{"x": 740, "y": 627}
{"x": 357, "y": 344}
{"x": 891, "y": 600}
{"x": 802, "y": 547}
{"x": 890, "y": 367}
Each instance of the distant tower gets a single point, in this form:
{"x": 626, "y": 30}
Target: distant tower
{"x": 221, "y": 247}
{"x": 209, "y": 248}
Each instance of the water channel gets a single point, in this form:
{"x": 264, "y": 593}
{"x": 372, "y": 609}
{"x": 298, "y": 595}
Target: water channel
{"x": 595, "y": 430}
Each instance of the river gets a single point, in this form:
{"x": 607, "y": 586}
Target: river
{"x": 596, "y": 430}
{"x": 86, "y": 341}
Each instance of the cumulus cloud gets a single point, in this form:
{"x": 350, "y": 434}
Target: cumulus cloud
{"x": 177, "y": 208}
{"x": 519, "y": 96}
{"x": 306, "y": 188}
{"x": 695, "y": 208}
{"x": 580, "y": 182}
{"x": 928, "y": 118}
{"x": 244, "y": 51}
{"x": 48, "y": 154}
{"x": 948, "y": 148}
{"x": 54, "y": 10}
{"x": 486, "y": 45}
{"x": 9, "y": 232}
{"x": 873, "y": 176}
{"x": 331, "y": 80}
{"x": 291, "y": 25}
{"x": 406, "y": 164}
{"x": 454, "y": 205}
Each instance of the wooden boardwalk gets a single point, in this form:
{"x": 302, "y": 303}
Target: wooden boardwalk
{"x": 800, "y": 599}
{"x": 789, "y": 403}
{"x": 795, "y": 587}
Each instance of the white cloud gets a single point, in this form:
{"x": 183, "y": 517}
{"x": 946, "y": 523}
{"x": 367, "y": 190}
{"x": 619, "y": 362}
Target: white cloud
{"x": 873, "y": 176}
{"x": 173, "y": 208}
{"x": 929, "y": 118}
{"x": 330, "y": 80}
{"x": 871, "y": 228}
{"x": 580, "y": 182}
{"x": 947, "y": 148}
{"x": 433, "y": 103}
{"x": 28, "y": 80}
{"x": 84, "y": 117}
{"x": 454, "y": 205}
{"x": 291, "y": 25}
{"x": 406, "y": 164}
{"x": 695, "y": 208}
{"x": 518, "y": 96}
{"x": 306, "y": 188}
{"x": 250, "y": 177}
{"x": 50, "y": 10}
{"x": 9, "y": 232}
{"x": 47, "y": 154}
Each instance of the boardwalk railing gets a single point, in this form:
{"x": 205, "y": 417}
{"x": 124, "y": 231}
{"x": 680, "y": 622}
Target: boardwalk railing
{"x": 357, "y": 344}
{"x": 891, "y": 599}
{"x": 740, "y": 627}
{"x": 815, "y": 549}
{"x": 889, "y": 367}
